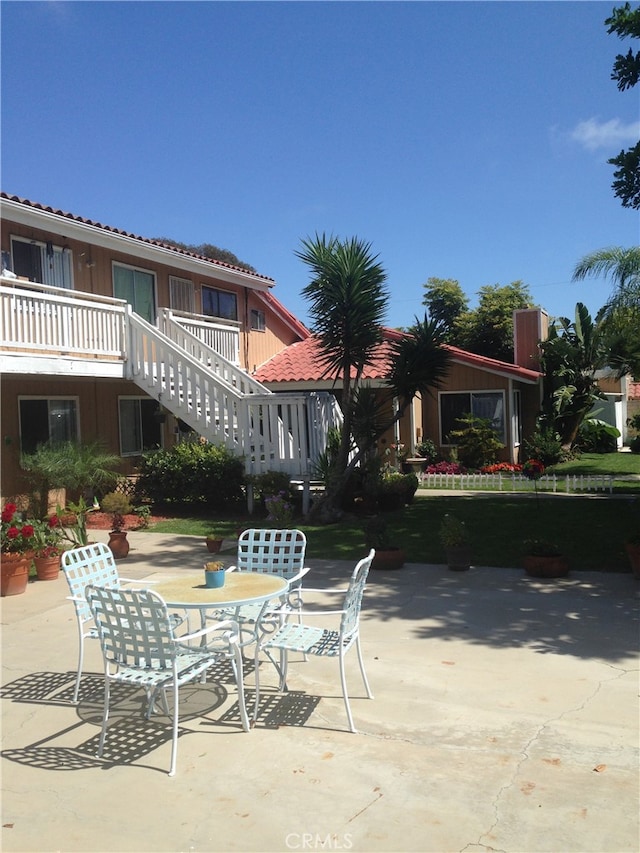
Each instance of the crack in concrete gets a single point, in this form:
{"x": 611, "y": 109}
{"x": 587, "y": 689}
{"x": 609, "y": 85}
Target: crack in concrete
{"x": 527, "y": 747}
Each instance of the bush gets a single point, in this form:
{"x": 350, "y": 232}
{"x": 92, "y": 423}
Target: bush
{"x": 477, "y": 441}
{"x": 192, "y": 473}
{"x": 596, "y": 436}
{"x": 427, "y": 450}
{"x": 396, "y": 490}
{"x": 446, "y": 468}
{"x": 544, "y": 445}
{"x": 271, "y": 483}
{"x": 634, "y": 444}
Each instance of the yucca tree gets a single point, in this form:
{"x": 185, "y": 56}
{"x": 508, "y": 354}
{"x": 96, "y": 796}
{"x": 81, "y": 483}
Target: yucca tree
{"x": 348, "y": 302}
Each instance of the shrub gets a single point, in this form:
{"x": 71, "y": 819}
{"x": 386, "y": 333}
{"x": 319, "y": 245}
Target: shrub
{"x": 446, "y": 468}
{"x": 396, "y": 490}
{"x": 192, "y": 473}
{"x": 477, "y": 441}
{"x": 428, "y": 450}
{"x": 271, "y": 483}
{"x": 279, "y": 509}
{"x": 634, "y": 444}
{"x": 544, "y": 445}
{"x": 596, "y": 436}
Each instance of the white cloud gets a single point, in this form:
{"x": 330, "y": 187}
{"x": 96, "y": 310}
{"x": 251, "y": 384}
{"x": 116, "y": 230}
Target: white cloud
{"x": 593, "y": 134}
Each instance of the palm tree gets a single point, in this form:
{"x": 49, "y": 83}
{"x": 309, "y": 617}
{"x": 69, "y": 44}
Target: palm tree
{"x": 621, "y": 313}
{"x": 622, "y": 266}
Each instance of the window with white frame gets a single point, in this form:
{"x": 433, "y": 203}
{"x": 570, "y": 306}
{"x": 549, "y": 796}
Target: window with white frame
{"x": 47, "y": 419}
{"x": 140, "y": 425}
{"x": 219, "y": 303}
{"x": 182, "y": 294}
{"x": 138, "y": 288}
{"x": 42, "y": 262}
{"x": 257, "y": 320}
{"x": 516, "y": 419}
{"x": 481, "y": 404}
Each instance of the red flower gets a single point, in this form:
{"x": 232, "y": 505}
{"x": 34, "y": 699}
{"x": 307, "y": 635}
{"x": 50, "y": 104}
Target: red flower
{"x": 27, "y": 531}
{"x": 54, "y": 521}
{"x": 8, "y": 511}
{"x": 533, "y": 469}
{"x": 13, "y": 533}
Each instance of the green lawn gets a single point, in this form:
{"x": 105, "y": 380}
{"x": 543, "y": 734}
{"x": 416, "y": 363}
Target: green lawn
{"x": 591, "y": 530}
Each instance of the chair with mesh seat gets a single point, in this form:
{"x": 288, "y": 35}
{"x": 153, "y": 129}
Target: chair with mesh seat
{"x": 139, "y": 648}
{"x": 274, "y": 552}
{"x": 294, "y": 636}
{"x": 89, "y": 564}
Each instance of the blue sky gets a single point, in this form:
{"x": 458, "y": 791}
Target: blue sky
{"x": 463, "y": 140}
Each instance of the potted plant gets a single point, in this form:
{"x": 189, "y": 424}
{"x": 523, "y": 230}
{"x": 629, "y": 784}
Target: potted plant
{"x": 543, "y": 559}
{"x": 214, "y": 574}
{"x": 118, "y": 505}
{"x": 48, "y": 548}
{"x": 214, "y": 541}
{"x": 17, "y": 543}
{"x": 376, "y": 536}
{"x": 455, "y": 539}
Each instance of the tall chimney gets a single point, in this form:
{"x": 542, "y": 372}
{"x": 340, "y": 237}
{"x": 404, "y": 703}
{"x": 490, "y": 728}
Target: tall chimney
{"x": 530, "y": 325}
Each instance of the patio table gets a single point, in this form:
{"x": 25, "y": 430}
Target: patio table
{"x": 188, "y": 591}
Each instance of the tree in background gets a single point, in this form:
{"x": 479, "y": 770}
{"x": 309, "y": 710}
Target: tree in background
{"x": 625, "y": 23}
{"x": 621, "y": 314}
{"x": 571, "y": 355}
{"x": 445, "y": 301}
{"x": 488, "y": 329}
{"x": 208, "y": 250}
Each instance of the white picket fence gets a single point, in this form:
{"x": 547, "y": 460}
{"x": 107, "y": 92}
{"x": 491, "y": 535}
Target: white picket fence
{"x": 501, "y": 481}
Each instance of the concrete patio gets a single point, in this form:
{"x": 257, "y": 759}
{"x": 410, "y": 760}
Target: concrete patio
{"x": 505, "y": 718}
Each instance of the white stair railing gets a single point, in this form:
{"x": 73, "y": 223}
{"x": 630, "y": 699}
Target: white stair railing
{"x": 207, "y": 342}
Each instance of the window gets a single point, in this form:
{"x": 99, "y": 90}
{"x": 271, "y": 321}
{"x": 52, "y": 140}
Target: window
{"x": 181, "y": 294}
{"x": 137, "y": 287}
{"x": 42, "y": 262}
{"x": 516, "y": 419}
{"x": 140, "y": 427}
{"x": 482, "y": 404}
{"x": 257, "y": 320}
{"x": 47, "y": 419}
{"x": 219, "y": 303}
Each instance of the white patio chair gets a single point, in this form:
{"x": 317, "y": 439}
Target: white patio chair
{"x": 324, "y": 642}
{"x": 83, "y": 566}
{"x": 274, "y": 552}
{"x": 139, "y": 647}
{"x": 90, "y": 564}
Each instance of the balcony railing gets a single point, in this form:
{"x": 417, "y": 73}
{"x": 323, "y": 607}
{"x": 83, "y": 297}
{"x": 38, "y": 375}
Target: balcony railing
{"x": 38, "y": 318}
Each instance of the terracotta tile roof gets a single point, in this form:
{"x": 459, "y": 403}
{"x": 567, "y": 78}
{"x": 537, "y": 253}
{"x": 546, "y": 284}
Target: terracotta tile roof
{"x": 634, "y": 391}
{"x": 301, "y": 362}
{"x": 119, "y": 232}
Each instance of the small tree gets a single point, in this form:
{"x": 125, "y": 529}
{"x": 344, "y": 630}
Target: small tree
{"x": 477, "y": 442}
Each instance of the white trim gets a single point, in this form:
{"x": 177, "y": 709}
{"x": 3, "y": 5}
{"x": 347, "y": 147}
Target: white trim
{"x": 137, "y": 247}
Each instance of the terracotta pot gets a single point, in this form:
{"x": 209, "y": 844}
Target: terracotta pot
{"x": 48, "y": 568}
{"x": 545, "y": 567}
{"x": 459, "y": 558}
{"x": 118, "y": 543}
{"x": 633, "y": 552}
{"x": 15, "y": 573}
{"x": 391, "y": 558}
{"x": 214, "y": 545}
